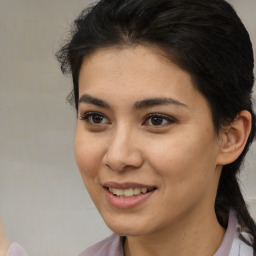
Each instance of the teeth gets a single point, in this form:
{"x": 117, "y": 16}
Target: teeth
{"x": 144, "y": 190}
{"x": 128, "y": 192}
{"x": 136, "y": 191}
{"x": 118, "y": 192}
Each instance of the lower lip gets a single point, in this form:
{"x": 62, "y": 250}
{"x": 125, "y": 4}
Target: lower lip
{"x": 126, "y": 202}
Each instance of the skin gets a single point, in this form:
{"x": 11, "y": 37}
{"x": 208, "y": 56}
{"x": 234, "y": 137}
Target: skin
{"x": 180, "y": 154}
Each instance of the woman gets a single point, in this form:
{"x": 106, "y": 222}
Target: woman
{"x": 162, "y": 90}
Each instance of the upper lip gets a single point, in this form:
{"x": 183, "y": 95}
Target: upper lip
{"x": 127, "y": 185}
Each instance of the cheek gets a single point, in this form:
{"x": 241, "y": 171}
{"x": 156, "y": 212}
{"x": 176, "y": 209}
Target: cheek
{"x": 186, "y": 174}
{"x": 88, "y": 154}
{"x": 185, "y": 158}
{"x": 168, "y": 156}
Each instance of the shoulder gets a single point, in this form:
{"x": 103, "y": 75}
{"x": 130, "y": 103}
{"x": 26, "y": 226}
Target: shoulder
{"x": 236, "y": 242}
{"x": 16, "y": 250}
{"x": 241, "y": 248}
{"x": 242, "y": 239}
{"x": 242, "y": 243}
{"x": 112, "y": 245}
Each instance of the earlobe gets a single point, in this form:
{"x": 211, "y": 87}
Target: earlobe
{"x": 234, "y": 138}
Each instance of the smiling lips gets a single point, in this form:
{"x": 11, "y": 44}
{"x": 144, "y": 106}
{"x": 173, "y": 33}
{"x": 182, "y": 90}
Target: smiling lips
{"x": 127, "y": 195}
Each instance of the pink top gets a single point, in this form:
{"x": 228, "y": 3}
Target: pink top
{"x": 16, "y": 250}
{"x": 232, "y": 245}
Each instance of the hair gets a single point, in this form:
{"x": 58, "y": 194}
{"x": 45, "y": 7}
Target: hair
{"x": 205, "y": 38}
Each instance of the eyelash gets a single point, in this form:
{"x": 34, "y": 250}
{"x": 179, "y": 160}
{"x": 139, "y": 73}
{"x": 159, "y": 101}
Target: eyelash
{"x": 168, "y": 120}
{"x": 87, "y": 117}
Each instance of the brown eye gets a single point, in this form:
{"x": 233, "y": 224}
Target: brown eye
{"x": 158, "y": 120}
{"x": 94, "y": 118}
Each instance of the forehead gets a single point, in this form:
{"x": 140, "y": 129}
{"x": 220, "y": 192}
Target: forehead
{"x": 132, "y": 73}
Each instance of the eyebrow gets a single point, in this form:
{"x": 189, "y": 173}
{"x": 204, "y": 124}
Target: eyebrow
{"x": 147, "y": 103}
{"x": 157, "y": 101}
{"x": 95, "y": 101}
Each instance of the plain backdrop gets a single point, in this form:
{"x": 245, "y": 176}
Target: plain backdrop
{"x": 43, "y": 201}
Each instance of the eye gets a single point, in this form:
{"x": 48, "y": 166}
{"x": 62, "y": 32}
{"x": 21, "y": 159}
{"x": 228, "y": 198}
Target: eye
{"x": 95, "y": 118}
{"x": 158, "y": 120}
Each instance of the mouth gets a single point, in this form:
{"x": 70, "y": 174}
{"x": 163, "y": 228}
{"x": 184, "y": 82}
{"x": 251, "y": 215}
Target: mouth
{"x": 128, "y": 189}
{"x": 129, "y": 192}
{"x": 127, "y": 195}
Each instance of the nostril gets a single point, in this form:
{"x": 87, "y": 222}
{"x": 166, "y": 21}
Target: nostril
{"x": 122, "y": 152}
{"x": 121, "y": 163}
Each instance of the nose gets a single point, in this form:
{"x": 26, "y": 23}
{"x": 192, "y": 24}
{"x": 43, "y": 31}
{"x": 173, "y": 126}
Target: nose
{"x": 123, "y": 151}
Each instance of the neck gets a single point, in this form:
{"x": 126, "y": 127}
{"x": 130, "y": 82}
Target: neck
{"x": 195, "y": 236}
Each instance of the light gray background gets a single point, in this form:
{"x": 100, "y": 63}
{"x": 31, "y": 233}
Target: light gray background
{"x": 42, "y": 198}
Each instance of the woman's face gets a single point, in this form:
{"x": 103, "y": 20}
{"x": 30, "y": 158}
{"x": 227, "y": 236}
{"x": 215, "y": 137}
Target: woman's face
{"x": 145, "y": 143}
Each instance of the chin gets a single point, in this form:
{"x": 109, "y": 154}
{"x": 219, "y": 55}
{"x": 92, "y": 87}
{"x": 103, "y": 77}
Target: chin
{"x": 126, "y": 227}
{"x": 127, "y": 231}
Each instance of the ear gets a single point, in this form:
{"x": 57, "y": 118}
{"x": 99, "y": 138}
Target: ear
{"x": 234, "y": 138}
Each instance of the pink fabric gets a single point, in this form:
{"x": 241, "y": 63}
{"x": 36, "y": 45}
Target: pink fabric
{"x": 112, "y": 245}
{"x": 226, "y": 244}
{"x": 16, "y": 250}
